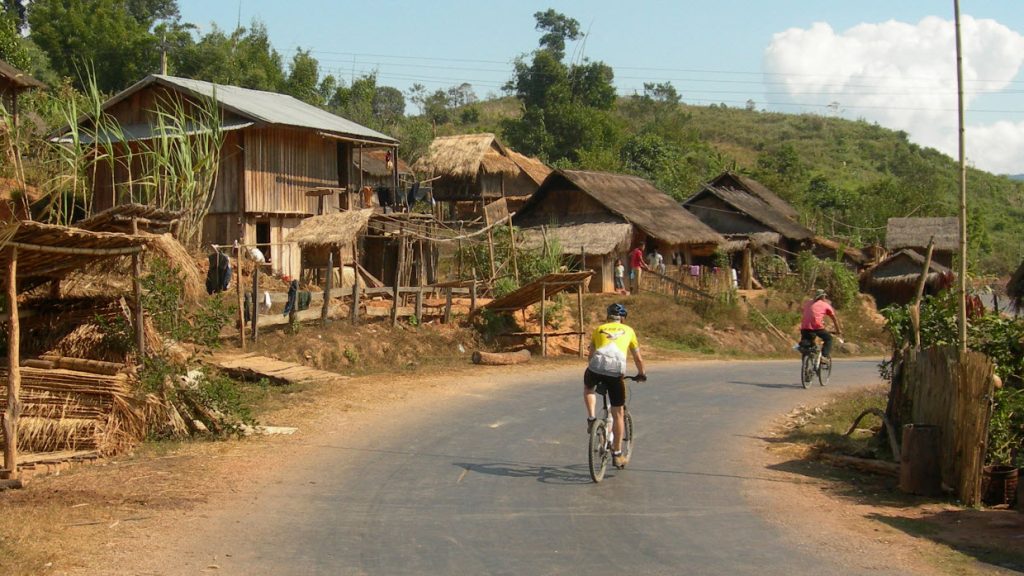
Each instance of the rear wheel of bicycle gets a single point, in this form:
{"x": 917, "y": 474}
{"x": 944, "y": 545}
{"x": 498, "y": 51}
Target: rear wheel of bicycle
{"x": 806, "y": 370}
{"x": 824, "y": 371}
{"x": 627, "y": 438}
{"x": 598, "y": 453}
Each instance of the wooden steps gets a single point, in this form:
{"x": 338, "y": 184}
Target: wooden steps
{"x": 252, "y": 366}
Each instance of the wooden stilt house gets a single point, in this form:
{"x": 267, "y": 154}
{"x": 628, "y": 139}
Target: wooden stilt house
{"x": 276, "y": 149}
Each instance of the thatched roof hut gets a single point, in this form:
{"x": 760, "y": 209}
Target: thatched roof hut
{"x": 603, "y": 214}
{"x": 894, "y": 280}
{"x": 332, "y": 230}
{"x": 477, "y": 168}
{"x": 12, "y": 83}
{"x": 732, "y": 181}
{"x": 732, "y": 211}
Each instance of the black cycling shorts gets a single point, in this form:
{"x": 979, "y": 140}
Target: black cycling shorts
{"x": 616, "y": 386}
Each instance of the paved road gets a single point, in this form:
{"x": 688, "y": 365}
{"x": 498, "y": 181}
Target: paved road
{"x": 494, "y": 481}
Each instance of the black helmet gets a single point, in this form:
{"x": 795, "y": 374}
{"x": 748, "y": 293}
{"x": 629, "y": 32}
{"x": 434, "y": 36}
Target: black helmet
{"x": 617, "y": 310}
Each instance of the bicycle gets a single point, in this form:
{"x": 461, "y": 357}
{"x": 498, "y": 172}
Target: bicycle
{"x": 812, "y": 363}
{"x": 601, "y": 435}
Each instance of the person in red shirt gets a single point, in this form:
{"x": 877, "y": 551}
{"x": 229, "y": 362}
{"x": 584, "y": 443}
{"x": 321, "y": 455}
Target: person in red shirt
{"x": 636, "y": 266}
{"x": 813, "y": 323}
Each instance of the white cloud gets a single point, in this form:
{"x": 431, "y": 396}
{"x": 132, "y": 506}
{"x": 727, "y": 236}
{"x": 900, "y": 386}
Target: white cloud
{"x": 903, "y": 76}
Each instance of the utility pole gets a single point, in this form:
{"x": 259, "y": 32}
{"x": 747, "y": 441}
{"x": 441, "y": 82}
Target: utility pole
{"x": 963, "y": 184}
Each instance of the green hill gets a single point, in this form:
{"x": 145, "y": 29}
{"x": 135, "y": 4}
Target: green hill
{"x": 846, "y": 177}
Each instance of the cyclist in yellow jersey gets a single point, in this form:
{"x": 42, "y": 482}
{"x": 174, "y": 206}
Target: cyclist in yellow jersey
{"x": 609, "y": 345}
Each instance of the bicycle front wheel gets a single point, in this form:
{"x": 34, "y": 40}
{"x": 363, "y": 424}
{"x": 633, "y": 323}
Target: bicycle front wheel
{"x": 806, "y": 370}
{"x": 598, "y": 453}
{"x": 824, "y": 371}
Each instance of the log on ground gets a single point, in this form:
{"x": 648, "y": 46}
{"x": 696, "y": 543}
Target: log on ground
{"x": 501, "y": 358}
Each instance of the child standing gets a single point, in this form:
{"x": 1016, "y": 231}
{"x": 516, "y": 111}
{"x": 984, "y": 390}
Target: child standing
{"x": 620, "y": 277}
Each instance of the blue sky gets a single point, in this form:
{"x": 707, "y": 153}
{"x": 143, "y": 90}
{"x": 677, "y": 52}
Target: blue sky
{"x": 890, "y": 62}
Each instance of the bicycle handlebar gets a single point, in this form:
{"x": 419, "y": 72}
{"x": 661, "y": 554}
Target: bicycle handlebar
{"x": 637, "y": 378}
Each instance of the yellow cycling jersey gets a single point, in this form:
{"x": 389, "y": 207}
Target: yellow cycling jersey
{"x": 611, "y": 342}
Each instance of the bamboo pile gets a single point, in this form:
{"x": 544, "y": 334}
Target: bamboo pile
{"x": 71, "y": 410}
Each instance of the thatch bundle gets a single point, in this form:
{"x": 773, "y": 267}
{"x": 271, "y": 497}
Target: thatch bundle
{"x": 71, "y": 410}
{"x": 596, "y": 238}
{"x": 193, "y": 283}
{"x": 916, "y": 232}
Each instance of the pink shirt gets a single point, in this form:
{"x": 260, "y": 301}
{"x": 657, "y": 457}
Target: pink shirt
{"x": 814, "y": 314}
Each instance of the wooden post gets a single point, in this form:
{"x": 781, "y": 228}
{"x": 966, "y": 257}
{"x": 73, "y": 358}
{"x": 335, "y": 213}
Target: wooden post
{"x": 579, "y": 303}
{"x": 920, "y": 471}
{"x": 13, "y": 369}
{"x": 448, "y": 305}
{"x": 747, "y": 274}
{"x": 419, "y": 293}
{"x": 327, "y": 287}
{"x": 140, "y": 329}
{"x": 255, "y": 302}
{"x": 915, "y": 308}
{"x": 490, "y": 252}
{"x": 543, "y": 337}
{"x": 238, "y": 289}
{"x": 398, "y": 278}
{"x": 355, "y": 286}
{"x": 583, "y": 257}
{"x": 512, "y": 243}
{"x": 472, "y": 293}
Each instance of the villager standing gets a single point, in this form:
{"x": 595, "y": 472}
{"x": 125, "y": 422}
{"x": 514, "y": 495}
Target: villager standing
{"x": 636, "y": 267}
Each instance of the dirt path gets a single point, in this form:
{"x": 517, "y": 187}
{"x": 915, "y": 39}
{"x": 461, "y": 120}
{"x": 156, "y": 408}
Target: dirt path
{"x": 99, "y": 518}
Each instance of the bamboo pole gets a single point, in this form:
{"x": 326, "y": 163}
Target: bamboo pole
{"x": 490, "y": 252}
{"x": 963, "y": 185}
{"x": 255, "y": 302}
{"x": 915, "y": 309}
{"x": 419, "y": 293}
{"x": 543, "y": 336}
{"x": 579, "y": 304}
{"x": 448, "y": 306}
{"x": 238, "y": 290}
{"x": 13, "y": 370}
{"x": 398, "y": 279}
{"x": 355, "y": 285}
{"x": 140, "y": 330}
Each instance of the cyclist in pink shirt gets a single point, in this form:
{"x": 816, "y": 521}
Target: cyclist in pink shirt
{"x": 813, "y": 323}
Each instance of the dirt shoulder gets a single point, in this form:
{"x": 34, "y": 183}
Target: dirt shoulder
{"x": 866, "y": 519}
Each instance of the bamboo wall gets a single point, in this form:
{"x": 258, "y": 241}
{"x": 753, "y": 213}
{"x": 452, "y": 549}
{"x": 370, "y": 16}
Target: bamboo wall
{"x": 282, "y": 165}
{"x": 230, "y": 174}
{"x": 954, "y": 395}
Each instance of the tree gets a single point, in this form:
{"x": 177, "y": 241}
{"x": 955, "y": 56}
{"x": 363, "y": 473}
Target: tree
{"x": 557, "y": 29}
{"x": 244, "y": 58}
{"x": 304, "y": 78}
{"x": 113, "y": 37}
{"x": 567, "y": 109}
{"x": 388, "y": 105}
{"x": 11, "y": 49}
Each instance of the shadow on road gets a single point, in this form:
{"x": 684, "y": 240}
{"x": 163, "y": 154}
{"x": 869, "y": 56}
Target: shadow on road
{"x": 765, "y": 384}
{"x": 575, "y": 474}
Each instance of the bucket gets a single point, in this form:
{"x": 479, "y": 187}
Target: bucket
{"x": 999, "y": 485}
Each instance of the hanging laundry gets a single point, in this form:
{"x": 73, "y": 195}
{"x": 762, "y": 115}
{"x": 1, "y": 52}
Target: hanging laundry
{"x": 266, "y": 302}
{"x": 218, "y": 276}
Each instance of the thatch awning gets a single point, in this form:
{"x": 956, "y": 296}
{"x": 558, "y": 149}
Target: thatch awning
{"x": 332, "y": 230}
{"x": 465, "y": 156}
{"x": 596, "y": 238}
{"x": 16, "y": 79}
{"x": 48, "y": 251}
{"x": 546, "y": 286}
{"x": 916, "y": 232}
{"x": 374, "y": 162}
{"x": 119, "y": 219}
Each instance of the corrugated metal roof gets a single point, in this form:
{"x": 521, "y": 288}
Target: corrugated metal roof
{"x": 263, "y": 107}
{"x": 273, "y": 108}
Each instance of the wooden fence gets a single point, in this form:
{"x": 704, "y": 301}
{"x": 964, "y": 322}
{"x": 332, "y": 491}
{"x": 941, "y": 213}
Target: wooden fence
{"x": 681, "y": 287}
{"x": 953, "y": 392}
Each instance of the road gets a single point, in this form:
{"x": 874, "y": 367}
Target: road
{"x": 492, "y": 479}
